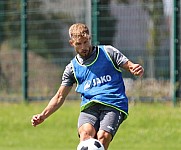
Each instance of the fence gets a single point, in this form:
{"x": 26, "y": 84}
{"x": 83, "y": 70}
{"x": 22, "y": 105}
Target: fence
{"x": 140, "y": 30}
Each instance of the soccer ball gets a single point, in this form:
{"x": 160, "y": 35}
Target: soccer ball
{"x": 90, "y": 144}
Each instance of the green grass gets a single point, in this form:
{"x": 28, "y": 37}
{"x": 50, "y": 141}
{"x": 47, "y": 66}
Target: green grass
{"x": 148, "y": 127}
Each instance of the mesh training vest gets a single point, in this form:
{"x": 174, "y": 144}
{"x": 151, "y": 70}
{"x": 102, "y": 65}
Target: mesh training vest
{"x": 100, "y": 82}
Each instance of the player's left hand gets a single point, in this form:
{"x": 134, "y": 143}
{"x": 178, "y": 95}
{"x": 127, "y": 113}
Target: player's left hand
{"x": 137, "y": 70}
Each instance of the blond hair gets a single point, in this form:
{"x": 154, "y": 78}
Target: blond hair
{"x": 78, "y": 30}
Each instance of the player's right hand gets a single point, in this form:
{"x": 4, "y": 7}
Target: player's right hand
{"x": 37, "y": 119}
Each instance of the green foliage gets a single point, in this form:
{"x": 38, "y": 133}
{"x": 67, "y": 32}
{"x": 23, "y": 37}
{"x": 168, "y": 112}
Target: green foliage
{"x": 11, "y": 19}
{"x": 149, "y": 126}
{"x": 41, "y": 38}
{"x": 106, "y": 23}
{"x": 156, "y": 13}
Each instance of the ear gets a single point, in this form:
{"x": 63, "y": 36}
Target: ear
{"x": 71, "y": 42}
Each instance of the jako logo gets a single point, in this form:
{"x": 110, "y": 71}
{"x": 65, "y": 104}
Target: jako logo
{"x": 97, "y": 81}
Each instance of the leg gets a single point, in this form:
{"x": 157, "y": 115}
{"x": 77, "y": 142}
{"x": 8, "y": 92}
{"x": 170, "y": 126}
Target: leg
{"x": 104, "y": 137}
{"x": 110, "y": 120}
{"x": 88, "y": 123}
{"x": 86, "y": 131}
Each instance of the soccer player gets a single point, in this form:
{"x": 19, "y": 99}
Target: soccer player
{"x": 97, "y": 72}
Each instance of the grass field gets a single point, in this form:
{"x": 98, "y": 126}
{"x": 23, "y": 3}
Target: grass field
{"x": 153, "y": 126}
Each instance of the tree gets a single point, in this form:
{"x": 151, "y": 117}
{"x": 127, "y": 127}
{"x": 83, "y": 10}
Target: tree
{"x": 106, "y": 22}
{"x": 154, "y": 8}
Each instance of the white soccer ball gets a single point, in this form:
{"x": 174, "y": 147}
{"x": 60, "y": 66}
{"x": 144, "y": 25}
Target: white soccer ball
{"x": 90, "y": 144}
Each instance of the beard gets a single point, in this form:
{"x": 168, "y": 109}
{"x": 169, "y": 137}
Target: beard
{"x": 86, "y": 53}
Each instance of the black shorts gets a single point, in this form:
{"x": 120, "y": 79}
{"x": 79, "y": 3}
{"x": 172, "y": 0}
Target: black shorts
{"x": 102, "y": 117}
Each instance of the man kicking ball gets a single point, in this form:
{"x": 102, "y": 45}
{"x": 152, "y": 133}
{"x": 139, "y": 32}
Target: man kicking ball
{"x": 97, "y": 72}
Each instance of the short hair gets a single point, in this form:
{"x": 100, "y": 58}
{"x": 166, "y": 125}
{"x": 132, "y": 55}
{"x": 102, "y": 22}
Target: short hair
{"x": 78, "y": 30}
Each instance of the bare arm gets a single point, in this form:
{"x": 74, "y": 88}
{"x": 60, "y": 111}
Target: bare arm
{"x": 54, "y": 104}
{"x": 135, "y": 69}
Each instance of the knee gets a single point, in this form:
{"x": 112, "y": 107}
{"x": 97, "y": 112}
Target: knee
{"x": 84, "y": 135}
{"x": 104, "y": 137}
{"x": 86, "y": 132}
